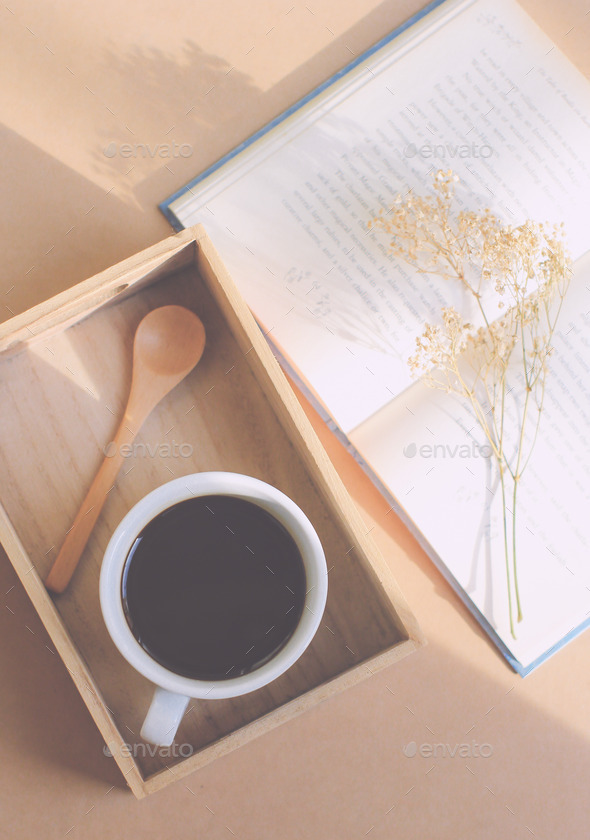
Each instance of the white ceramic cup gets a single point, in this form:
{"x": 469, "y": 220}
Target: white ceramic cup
{"x": 173, "y": 691}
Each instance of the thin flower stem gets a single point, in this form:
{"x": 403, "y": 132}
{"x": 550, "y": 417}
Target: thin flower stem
{"x": 517, "y": 477}
{"x": 514, "y": 564}
{"x": 501, "y": 465}
{"x": 480, "y": 416}
{"x": 536, "y": 432}
{"x": 507, "y": 554}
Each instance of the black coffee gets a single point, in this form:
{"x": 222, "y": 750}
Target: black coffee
{"x": 213, "y": 587}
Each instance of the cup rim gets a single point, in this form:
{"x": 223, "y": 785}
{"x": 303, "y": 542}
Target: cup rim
{"x": 201, "y": 484}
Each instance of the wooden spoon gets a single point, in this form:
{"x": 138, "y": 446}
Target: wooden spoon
{"x": 168, "y": 343}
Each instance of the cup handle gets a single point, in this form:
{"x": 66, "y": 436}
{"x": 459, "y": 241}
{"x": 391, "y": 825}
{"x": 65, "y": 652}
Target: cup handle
{"x": 163, "y": 717}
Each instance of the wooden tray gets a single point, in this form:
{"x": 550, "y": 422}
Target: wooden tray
{"x": 64, "y": 380}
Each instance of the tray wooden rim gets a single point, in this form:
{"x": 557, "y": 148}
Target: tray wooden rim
{"x": 57, "y": 313}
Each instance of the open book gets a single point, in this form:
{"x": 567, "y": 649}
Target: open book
{"x": 476, "y": 87}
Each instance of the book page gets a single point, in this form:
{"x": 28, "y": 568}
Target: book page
{"x": 429, "y": 451}
{"x": 475, "y": 87}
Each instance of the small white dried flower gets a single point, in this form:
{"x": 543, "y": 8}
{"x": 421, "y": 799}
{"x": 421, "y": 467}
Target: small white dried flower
{"x": 528, "y": 269}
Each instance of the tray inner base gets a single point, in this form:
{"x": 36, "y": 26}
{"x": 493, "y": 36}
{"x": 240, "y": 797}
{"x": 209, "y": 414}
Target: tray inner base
{"x": 62, "y": 397}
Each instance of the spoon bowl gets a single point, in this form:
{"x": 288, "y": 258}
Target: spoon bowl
{"x": 169, "y": 341}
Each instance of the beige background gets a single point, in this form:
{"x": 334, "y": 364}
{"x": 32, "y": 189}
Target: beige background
{"x": 75, "y": 78}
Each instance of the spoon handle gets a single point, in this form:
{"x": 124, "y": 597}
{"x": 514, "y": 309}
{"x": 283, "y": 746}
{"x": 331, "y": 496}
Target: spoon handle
{"x": 77, "y": 537}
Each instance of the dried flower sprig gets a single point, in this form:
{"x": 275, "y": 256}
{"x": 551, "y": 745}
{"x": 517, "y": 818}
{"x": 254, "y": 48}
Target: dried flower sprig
{"x": 517, "y": 276}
